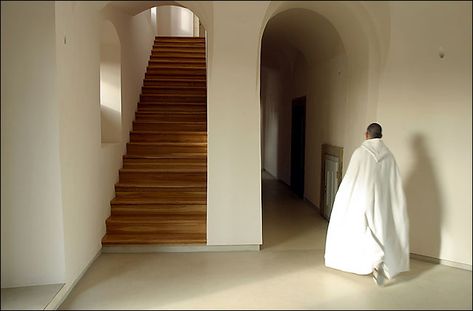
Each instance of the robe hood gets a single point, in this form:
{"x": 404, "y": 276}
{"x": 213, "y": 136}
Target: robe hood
{"x": 376, "y": 148}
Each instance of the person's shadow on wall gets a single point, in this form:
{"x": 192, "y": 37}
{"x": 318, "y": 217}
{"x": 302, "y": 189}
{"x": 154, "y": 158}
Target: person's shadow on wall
{"x": 424, "y": 207}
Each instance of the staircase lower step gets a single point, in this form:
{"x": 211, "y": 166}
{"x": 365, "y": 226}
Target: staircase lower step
{"x": 169, "y": 126}
{"x": 175, "y": 75}
{"x": 156, "y": 148}
{"x": 189, "y": 90}
{"x": 174, "y": 190}
{"x": 180, "y": 116}
{"x": 170, "y": 136}
{"x": 180, "y": 63}
{"x": 155, "y": 239}
{"x": 169, "y": 107}
{"x": 180, "y": 38}
{"x": 155, "y": 225}
{"x": 171, "y": 118}
{"x": 160, "y": 197}
{"x": 174, "y": 71}
{"x": 158, "y": 210}
{"x": 174, "y": 82}
{"x": 196, "y": 51}
{"x": 172, "y": 98}
{"x": 174, "y": 177}
{"x": 191, "y": 157}
{"x": 171, "y": 59}
{"x": 180, "y": 45}
{"x": 164, "y": 162}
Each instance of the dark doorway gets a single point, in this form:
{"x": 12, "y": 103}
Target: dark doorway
{"x": 298, "y": 145}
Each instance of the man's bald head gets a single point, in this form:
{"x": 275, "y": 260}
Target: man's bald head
{"x": 374, "y": 130}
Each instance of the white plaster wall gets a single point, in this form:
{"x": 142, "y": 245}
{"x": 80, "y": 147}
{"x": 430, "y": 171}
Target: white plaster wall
{"x": 89, "y": 168}
{"x": 425, "y": 108}
{"x": 32, "y": 227}
{"x": 234, "y": 181}
{"x": 175, "y": 21}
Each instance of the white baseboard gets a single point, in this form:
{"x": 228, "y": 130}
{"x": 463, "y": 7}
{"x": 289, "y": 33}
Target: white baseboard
{"x": 178, "y": 248}
{"x": 445, "y": 262}
{"x": 56, "y": 302}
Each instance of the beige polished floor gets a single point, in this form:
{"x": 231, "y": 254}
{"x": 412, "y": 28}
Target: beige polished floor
{"x": 288, "y": 273}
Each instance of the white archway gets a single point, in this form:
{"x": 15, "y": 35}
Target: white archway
{"x": 341, "y": 46}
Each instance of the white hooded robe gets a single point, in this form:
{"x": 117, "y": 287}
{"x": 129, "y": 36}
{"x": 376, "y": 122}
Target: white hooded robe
{"x": 369, "y": 223}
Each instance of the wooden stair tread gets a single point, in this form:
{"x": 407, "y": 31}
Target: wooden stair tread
{"x": 188, "y": 157}
{"x": 176, "y": 95}
{"x": 175, "y": 87}
{"x": 168, "y": 143}
{"x": 163, "y": 187}
{"x": 161, "y": 195}
{"x": 167, "y": 121}
{"x": 177, "y": 60}
{"x": 160, "y": 208}
{"x": 153, "y": 220}
{"x": 170, "y": 170}
{"x": 170, "y": 132}
{"x": 169, "y": 239}
{"x": 167, "y": 200}
{"x": 177, "y": 79}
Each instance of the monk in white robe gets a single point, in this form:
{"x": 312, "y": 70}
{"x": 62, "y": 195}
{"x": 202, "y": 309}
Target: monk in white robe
{"x": 368, "y": 227}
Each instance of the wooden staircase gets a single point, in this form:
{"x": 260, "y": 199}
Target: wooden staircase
{"x": 161, "y": 195}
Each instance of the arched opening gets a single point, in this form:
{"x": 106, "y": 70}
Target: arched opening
{"x": 177, "y": 21}
{"x": 303, "y": 102}
{"x": 165, "y": 159}
{"x": 110, "y": 84}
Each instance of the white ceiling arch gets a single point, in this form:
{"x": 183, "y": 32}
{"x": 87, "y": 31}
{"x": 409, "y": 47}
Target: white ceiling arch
{"x": 203, "y": 9}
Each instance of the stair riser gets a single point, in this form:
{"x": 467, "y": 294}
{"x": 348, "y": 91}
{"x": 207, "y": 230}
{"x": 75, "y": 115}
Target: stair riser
{"x": 180, "y": 44}
{"x": 175, "y": 64}
{"x": 171, "y": 83}
{"x": 152, "y": 166}
{"x": 159, "y": 163}
{"x": 172, "y": 118}
{"x": 179, "y": 39}
{"x": 156, "y": 60}
{"x": 172, "y": 191}
{"x": 163, "y": 137}
{"x": 133, "y": 149}
{"x": 169, "y": 126}
{"x": 155, "y": 213}
{"x": 158, "y": 200}
{"x": 173, "y": 99}
{"x": 169, "y": 108}
{"x": 178, "y": 55}
{"x": 178, "y": 51}
{"x": 199, "y": 197}
{"x": 164, "y": 178}
{"x": 174, "y": 76}
{"x": 139, "y": 239}
{"x": 197, "y": 227}
{"x": 170, "y": 211}
{"x": 175, "y": 72}
{"x": 173, "y": 90}
{"x": 166, "y": 114}
{"x": 185, "y": 45}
